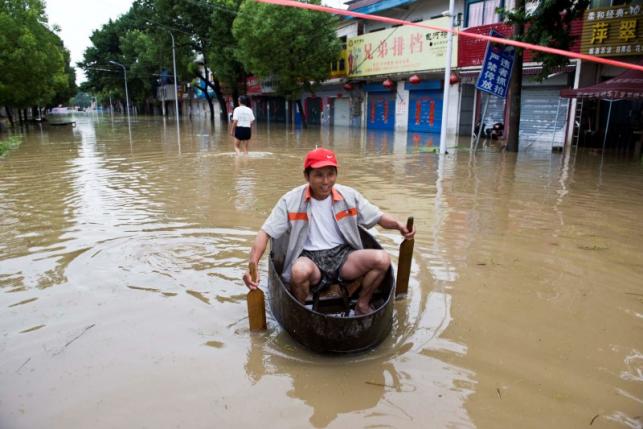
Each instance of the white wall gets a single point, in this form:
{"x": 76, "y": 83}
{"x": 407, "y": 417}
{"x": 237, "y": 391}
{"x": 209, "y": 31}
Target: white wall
{"x": 349, "y": 30}
{"x": 421, "y": 10}
{"x": 401, "y": 108}
{"x": 453, "y": 114}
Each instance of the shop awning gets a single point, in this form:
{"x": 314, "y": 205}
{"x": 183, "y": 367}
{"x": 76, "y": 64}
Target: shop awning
{"x": 375, "y": 6}
{"x": 626, "y": 86}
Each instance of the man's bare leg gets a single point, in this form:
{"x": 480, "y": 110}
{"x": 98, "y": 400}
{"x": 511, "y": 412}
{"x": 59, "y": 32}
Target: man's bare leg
{"x": 237, "y": 149}
{"x": 370, "y": 263}
{"x": 244, "y": 145}
{"x": 304, "y": 273}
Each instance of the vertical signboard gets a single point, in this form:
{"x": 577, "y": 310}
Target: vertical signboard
{"x": 498, "y": 62}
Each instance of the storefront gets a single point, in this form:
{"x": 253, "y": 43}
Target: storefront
{"x": 269, "y": 108}
{"x": 607, "y": 91}
{"x": 314, "y": 109}
{"x": 425, "y": 106}
{"x": 332, "y": 105}
{"x": 543, "y": 114}
{"x": 380, "y": 110}
{"x": 390, "y": 57}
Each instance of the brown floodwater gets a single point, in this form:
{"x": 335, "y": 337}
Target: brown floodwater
{"x": 121, "y": 255}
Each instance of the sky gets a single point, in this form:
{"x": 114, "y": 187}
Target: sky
{"x": 79, "y": 18}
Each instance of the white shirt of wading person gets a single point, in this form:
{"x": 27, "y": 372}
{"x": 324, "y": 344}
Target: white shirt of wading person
{"x": 243, "y": 115}
{"x": 323, "y": 232}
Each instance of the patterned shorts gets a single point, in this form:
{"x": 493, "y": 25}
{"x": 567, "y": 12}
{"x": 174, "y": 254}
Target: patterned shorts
{"x": 330, "y": 263}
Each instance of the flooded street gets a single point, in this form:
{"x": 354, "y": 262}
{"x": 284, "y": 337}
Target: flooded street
{"x": 122, "y": 251}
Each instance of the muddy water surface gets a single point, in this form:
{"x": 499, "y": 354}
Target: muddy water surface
{"x": 122, "y": 303}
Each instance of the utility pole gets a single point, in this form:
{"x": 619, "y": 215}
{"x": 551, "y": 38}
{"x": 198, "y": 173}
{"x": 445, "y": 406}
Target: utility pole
{"x": 515, "y": 87}
{"x": 176, "y": 83}
{"x": 447, "y": 80}
{"x": 126, "y": 95}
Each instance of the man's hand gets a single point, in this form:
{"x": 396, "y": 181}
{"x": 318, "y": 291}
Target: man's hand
{"x": 261, "y": 242}
{"x": 389, "y": 222}
{"x": 247, "y": 279}
{"x": 405, "y": 232}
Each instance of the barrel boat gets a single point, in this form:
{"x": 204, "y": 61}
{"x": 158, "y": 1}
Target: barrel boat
{"x": 327, "y": 324}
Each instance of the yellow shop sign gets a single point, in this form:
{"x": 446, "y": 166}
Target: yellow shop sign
{"x": 612, "y": 32}
{"x": 400, "y": 49}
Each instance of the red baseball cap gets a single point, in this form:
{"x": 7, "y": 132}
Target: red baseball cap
{"x": 319, "y": 158}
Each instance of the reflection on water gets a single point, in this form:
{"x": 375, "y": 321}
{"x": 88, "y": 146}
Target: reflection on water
{"x": 122, "y": 248}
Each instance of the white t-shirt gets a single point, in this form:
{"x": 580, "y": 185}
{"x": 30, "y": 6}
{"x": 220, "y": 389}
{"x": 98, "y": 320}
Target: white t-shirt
{"x": 323, "y": 232}
{"x": 243, "y": 115}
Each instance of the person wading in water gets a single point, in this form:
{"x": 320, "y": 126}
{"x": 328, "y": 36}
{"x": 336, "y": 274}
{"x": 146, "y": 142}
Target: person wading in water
{"x": 242, "y": 119}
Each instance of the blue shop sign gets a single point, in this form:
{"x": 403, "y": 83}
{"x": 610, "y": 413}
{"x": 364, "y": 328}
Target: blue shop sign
{"x": 498, "y": 62}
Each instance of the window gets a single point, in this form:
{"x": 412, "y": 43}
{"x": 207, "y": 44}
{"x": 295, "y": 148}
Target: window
{"x": 483, "y": 12}
{"x": 607, "y": 3}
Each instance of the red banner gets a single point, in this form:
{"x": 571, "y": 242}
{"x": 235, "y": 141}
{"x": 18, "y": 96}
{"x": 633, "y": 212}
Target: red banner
{"x": 253, "y": 85}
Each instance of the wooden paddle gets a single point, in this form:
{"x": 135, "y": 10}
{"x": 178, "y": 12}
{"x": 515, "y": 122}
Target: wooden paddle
{"x": 256, "y": 304}
{"x": 404, "y": 262}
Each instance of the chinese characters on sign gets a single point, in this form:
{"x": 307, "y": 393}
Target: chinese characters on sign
{"x": 399, "y": 49}
{"x": 612, "y": 32}
{"x": 496, "y": 69}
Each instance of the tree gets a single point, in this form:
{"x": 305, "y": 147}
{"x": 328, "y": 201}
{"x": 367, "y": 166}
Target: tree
{"x": 65, "y": 83}
{"x": 81, "y": 99}
{"x": 225, "y": 65}
{"x": 294, "y": 46}
{"x": 34, "y": 63}
{"x": 128, "y": 42}
{"x": 195, "y": 20}
{"x": 140, "y": 40}
{"x": 548, "y": 25}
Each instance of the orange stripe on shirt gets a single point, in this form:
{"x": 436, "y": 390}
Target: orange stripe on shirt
{"x": 297, "y": 216}
{"x": 344, "y": 213}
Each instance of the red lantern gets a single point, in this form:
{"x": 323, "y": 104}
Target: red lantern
{"x": 414, "y": 80}
{"x": 388, "y": 83}
{"x": 348, "y": 86}
{"x": 453, "y": 79}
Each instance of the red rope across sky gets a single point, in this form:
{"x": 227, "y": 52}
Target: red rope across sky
{"x": 586, "y": 57}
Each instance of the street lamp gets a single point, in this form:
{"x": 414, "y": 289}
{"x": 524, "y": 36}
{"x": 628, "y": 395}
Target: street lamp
{"x": 126, "y": 94}
{"x": 176, "y": 83}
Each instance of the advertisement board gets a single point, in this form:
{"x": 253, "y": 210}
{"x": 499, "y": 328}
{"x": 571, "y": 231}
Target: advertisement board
{"x": 400, "y": 49}
{"x": 495, "y": 74}
{"x": 612, "y": 32}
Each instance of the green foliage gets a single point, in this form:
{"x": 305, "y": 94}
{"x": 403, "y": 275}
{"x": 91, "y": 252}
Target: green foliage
{"x": 141, "y": 53}
{"x": 141, "y": 42}
{"x": 224, "y": 63}
{"x": 121, "y": 41}
{"x": 549, "y": 25}
{"x": 34, "y": 62}
{"x": 81, "y": 99}
{"x": 295, "y": 46}
{"x": 9, "y": 143}
{"x": 292, "y": 45}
